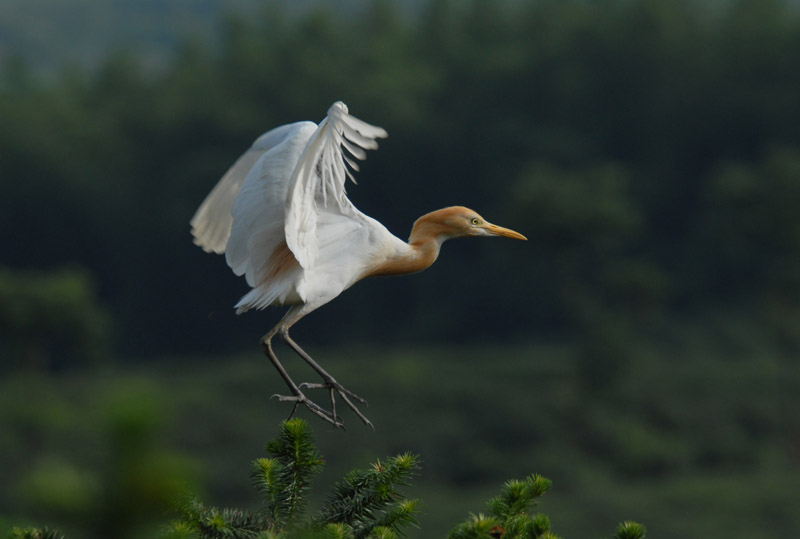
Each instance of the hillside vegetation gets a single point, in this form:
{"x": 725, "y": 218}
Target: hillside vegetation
{"x": 692, "y": 448}
{"x": 648, "y": 149}
{"x": 640, "y": 350}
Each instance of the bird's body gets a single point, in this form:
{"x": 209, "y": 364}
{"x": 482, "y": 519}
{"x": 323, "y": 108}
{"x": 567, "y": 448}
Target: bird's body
{"x": 283, "y": 220}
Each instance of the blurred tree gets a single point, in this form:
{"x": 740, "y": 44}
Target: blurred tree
{"x": 127, "y": 492}
{"x": 104, "y": 168}
{"x": 51, "y": 320}
{"x": 750, "y": 238}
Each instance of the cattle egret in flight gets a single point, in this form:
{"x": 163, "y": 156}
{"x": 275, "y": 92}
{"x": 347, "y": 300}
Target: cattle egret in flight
{"x": 281, "y": 216}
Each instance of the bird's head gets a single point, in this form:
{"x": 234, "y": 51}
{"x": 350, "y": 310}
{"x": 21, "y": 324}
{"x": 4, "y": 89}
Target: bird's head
{"x": 457, "y": 222}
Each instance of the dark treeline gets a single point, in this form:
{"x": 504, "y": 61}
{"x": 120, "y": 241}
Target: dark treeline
{"x": 650, "y": 150}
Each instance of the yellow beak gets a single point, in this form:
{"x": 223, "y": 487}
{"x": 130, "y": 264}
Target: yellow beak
{"x": 505, "y": 232}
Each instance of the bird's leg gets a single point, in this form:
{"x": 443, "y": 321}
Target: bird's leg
{"x": 330, "y": 382}
{"x": 297, "y": 396}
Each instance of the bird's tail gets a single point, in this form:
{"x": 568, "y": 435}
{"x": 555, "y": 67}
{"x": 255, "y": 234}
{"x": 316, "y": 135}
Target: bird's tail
{"x": 255, "y": 299}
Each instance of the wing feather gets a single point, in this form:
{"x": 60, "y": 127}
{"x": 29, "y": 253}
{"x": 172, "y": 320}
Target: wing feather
{"x": 211, "y": 223}
{"x": 284, "y": 201}
{"x": 258, "y": 209}
{"x": 319, "y": 177}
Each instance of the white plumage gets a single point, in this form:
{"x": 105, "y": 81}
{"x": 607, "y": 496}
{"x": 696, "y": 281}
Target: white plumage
{"x": 288, "y": 191}
{"x": 283, "y": 220}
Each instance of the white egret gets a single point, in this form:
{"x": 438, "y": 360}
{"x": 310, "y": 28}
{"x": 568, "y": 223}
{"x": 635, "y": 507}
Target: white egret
{"x": 281, "y": 216}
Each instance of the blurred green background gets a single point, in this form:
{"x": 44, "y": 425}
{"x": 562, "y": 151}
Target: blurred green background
{"x": 641, "y": 349}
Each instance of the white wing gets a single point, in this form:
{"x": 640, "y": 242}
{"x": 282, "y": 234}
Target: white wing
{"x": 211, "y": 224}
{"x": 258, "y": 210}
{"x": 319, "y": 178}
{"x": 265, "y": 212}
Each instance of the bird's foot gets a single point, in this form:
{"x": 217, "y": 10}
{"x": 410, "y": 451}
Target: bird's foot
{"x": 335, "y": 387}
{"x": 300, "y": 398}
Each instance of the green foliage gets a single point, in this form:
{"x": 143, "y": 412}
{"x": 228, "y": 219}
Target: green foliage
{"x": 35, "y": 533}
{"x": 699, "y": 435}
{"x": 121, "y": 483}
{"x": 622, "y": 137}
{"x": 368, "y": 500}
{"x": 753, "y": 210}
{"x": 285, "y": 477}
{"x": 510, "y": 516}
{"x": 51, "y": 320}
{"x": 630, "y": 530}
{"x": 648, "y": 149}
{"x": 210, "y": 522}
{"x": 139, "y": 478}
{"x": 510, "y": 513}
{"x": 367, "y": 504}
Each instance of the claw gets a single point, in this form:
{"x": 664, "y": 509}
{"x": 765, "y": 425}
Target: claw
{"x": 329, "y": 383}
{"x": 335, "y": 387}
{"x": 329, "y": 387}
{"x": 312, "y": 406}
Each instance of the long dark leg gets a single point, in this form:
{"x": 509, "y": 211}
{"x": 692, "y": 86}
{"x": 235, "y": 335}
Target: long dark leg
{"x": 297, "y": 396}
{"x": 330, "y": 382}
{"x": 290, "y": 318}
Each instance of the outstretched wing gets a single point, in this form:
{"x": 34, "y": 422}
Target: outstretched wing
{"x": 211, "y": 223}
{"x": 258, "y": 210}
{"x": 281, "y": 200}
{"x": 319, "y": 178}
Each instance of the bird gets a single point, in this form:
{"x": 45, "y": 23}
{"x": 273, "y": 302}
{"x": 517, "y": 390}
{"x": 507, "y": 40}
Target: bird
{"x": 281, "y": 216}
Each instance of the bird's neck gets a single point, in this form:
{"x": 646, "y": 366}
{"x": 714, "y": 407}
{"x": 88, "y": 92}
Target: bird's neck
{"x": 413, "y": 258}
{"x": 419, "y": 253}
{"x": 423, "y": 251}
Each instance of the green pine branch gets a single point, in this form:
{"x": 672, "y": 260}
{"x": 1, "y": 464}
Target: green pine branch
{"x": 366, "y": 504}
{"x": 510, "y": 514}
{"x": 35, "y": 533}
{"x": 370, "y": 499}
{"x": 630, "y": 530}
{"x": 197, "y": 520}
{"x": 284, "y": 478}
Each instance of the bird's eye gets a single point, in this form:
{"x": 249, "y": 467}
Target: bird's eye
{"x": 475, "y": 221}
